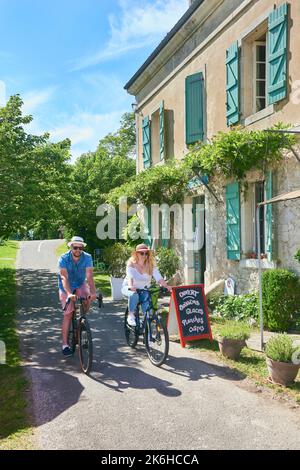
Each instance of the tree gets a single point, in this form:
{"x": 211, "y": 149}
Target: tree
{"x": 95, "y": 174}
{"x": 122, "y": 143}
{"x": 34, "y": 173}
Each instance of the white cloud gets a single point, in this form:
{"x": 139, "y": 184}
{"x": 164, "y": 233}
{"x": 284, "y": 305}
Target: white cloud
{"x": 36, "y": 98}
{"x": 85, "y": 130}
{"x": 137, "y": 25}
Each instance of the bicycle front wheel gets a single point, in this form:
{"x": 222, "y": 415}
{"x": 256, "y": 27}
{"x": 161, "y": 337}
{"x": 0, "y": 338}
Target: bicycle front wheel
{"x": 85, "y": 346}
{"x": 72, "y": 336}
{"x": 156, "y": 341}
{"x": 131, "y": 332}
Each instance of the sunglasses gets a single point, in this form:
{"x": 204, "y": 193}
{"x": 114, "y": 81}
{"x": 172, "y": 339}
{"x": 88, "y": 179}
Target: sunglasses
{"x": 77, "y": 248}
{"x": 143, "y": 253}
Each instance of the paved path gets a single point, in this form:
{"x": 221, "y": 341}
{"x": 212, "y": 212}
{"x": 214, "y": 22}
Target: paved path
{"x": 190, "y": 403}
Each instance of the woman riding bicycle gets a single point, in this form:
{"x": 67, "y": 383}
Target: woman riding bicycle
{"x": 139, "y": 273}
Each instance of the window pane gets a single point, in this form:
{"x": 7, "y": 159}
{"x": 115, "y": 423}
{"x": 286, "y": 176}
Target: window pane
{"x": 261, "y": 53}
{"x": 261, "y": 71}
{"x": 260, "y": 104}
{"x": 261, "y": 89}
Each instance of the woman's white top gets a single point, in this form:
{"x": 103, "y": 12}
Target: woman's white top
{"x": 141, "y": 280}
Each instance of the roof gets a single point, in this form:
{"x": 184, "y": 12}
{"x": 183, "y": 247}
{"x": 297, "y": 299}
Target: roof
{"x": 282, "y": 197}
{"x": 164, "y": 42}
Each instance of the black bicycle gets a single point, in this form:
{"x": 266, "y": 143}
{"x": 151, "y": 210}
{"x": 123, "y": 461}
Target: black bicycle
{"x": 80, "y": 333}
{"x": 151, "y": 326}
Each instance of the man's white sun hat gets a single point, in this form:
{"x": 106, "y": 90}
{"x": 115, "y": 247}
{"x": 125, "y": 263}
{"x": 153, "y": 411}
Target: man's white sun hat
{"x": 77, "y": 240}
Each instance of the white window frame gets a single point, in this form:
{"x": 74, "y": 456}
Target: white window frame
{"x": 248, "y": 220}
{"x": 255, "y": 62}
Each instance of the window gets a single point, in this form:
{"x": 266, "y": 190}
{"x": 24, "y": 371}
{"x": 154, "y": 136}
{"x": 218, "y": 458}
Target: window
{"x": 254, "y": 72}
{"x": 260, "y": 197}
{"x": 257, "y": 192}
{"x": 264, "y": 65}
{"x": 260, "y": 75}
{"x": 154, "y": 138}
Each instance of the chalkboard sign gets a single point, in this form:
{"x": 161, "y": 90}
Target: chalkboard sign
{"x": 191, "y": 310}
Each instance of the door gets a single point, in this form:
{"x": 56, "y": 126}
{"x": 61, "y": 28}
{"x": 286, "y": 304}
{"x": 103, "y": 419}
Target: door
{"x": 199, "y": 239}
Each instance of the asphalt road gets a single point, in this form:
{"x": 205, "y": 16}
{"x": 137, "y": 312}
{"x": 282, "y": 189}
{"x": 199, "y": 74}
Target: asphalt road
{"x": 189, "y": 403}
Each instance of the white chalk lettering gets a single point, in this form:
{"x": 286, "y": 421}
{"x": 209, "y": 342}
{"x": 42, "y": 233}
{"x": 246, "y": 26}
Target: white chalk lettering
{"x": 191, "y": 292}
{"x": 189, "y": 302}
{"x": 190, "y": 311}
{"x": 192, "y": 320}
{"x": 196, "y": 329}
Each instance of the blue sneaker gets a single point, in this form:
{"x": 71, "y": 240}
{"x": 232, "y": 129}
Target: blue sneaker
{"x": 67, "y": 351}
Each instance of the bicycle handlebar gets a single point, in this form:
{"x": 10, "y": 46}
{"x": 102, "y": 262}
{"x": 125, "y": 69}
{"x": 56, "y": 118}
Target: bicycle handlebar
{"x": 82, "y": 299}
{"x": 160, "y": 289}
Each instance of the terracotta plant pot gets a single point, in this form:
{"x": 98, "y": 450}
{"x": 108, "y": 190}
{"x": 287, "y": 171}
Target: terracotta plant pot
{"x": 231, "y": 348}
{"x": 283, "y": 373}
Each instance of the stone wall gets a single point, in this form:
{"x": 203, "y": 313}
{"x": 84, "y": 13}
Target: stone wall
{"x": 286, "y": 234}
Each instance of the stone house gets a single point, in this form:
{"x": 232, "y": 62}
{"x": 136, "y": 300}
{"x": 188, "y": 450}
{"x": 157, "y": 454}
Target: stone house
{"x": 226, "y": 62}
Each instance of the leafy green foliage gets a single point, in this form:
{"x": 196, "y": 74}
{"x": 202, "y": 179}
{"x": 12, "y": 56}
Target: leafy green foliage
{"x": 281, "y": 298}
{"x": 235, "y": 330}
{"x": 280, "y": 348}
{"x": 297, "y": 256}
{"x": 230, "y": 154}
{"x": 157, "y": 185}
{"x": 234, "y": 153}
{"x": 131, "y": 230}
{"x": 238, "y": 307}
{"x": 115, "y": 257}
{"x": 95, "y": 174}
{"x": 167, "y": 262}
{"x": 14, "y": 420}
{"x": 34, "y": 174}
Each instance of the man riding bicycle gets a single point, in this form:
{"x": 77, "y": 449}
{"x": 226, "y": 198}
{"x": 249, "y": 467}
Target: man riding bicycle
{"x": 75, "y": 273}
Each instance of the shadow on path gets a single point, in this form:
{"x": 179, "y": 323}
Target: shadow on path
{"x": 57, "y": 382}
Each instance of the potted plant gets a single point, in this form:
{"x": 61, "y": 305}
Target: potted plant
{"x": 116, "y": 256}
{"x": 282, "y": 359}
{"x": 232, "y": 338}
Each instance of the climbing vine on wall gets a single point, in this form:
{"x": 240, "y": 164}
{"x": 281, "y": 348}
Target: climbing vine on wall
{"x": 232, "y": 154}
{"x": 229, "y": 155}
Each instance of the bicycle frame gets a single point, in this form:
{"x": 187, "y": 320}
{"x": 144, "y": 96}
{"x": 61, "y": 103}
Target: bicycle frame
{"x": 80, "y": 334}
{"x": 148, "y": 325}
{"x": 150, "y": 312}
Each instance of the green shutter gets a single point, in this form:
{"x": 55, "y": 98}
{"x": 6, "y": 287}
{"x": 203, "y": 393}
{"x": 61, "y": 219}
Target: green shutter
{"x": 232, "y": 85}
{"x": 277, "y": 54}
{"x": 162, "y": 130}
{"x": 148, "y": 227}
{"x": 233, "y": 221}
{"x": 194, "y": 108}
{"x": 269, "y": 216}
{"x": 146, "y": 142}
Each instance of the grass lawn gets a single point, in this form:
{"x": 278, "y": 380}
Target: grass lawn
{"x": 63, "y": 248}
{"x": 102, "y": 282}
{"x": 251, "y": 364}
{"x": 15, "y": 427}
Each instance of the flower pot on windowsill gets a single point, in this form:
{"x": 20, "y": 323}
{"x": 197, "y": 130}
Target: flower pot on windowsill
{"x": 282, "y": 373}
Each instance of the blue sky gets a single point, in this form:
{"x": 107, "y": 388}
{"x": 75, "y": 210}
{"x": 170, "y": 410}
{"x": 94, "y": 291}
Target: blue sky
{"x": 70, "y": 59}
